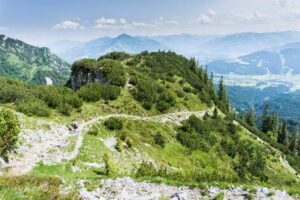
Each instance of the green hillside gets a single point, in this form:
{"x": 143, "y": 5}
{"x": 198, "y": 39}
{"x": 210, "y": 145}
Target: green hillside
{"x": 22, "y": 61}
{"x": 151, "y": 116}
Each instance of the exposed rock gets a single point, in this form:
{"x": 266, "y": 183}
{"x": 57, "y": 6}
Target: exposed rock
{"x": 127, "y": 189}
{"x": 82, "y": 77}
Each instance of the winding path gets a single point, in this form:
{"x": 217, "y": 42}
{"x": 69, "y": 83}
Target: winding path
{"x": 49, "y": 146}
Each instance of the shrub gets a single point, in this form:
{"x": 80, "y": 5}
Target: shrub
{"x": 146, "y": 169}
{"x": 187, "y": 89}
{"x": 114, "y": 72}
{"x": 93, "y": 92}
{"x": 109, "y": 167}
{"x": 64, "y": 109}
{"x": 115, "y": 56}
{"x": 113, "y": 124}
{"x": 33, "y": 106}
{"x": 9, "y": 130}
{"x": 93, "y": 130}
{"x": 179, "y": 93}
{"x": 159, "y": 140}
{"x": 119, "y": 145}
{"x": 129, "y": 143}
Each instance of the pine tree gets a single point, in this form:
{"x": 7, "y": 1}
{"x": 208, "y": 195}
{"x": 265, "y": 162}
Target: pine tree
{"x": 266, "y": 120}
{"x": 250, "y": 117}
{"x": 266, "y": 110}
{"x": 275, "y": 125}
{"x": 294, "y": 141}
{"x": 283, "y": 136}
{"x": 215, "y": 114}
{"x": 206, "y": 76}
{"x": 223, "y": 95}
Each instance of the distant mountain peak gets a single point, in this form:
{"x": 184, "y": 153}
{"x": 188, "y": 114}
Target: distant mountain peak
{"x": 124, "y": 36}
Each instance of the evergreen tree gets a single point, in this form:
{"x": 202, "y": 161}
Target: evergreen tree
{"x": 294, "y": 141}
{"x": 275, "y": 125}
{"x": 206, "y": 75}
{"x": 283, "y": 136}
{"x": 215, "y": 114}
{"x": 223, "y": 95}
{"x": 266, "y": 120}
{"x": 250, "y": 117}
{"x": 266, "y": 110}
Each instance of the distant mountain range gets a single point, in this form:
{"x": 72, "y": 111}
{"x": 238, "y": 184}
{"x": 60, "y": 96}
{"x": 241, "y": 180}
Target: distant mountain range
{"x": 22, "y": 61}
{"x": 101, "y": 46}
{"x": 206, "y": 48}
{"x": 278, "y": 60}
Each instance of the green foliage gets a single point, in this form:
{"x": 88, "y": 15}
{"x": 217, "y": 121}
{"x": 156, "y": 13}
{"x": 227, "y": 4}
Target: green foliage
{"x": 33, "y": 106}
{"x": 21, "y": 61}
{"x": 94, "y": 130}
{"x": 250, "y": 118}
{"x": 113, "y": 124}
{"x": 196, "y": 133}
{"x": 129, "y": 143}
{"x": 283, "y": 136}
{"x": 9, "y": 131}
{"x": 110, "y": 169}
{"x": 119, "y": 145}
{"x": 36, "y": 100}
{"x": 149, "y": 93}
{"x": 219, "y": 196}
{"x": 250, "y": 161}
{"x": 159, "y": 140}
{"x": 120, "y": 56}
{"x": 92, "y": 92}
{"x": 180, "y": 94}
{"x": 34, "y": 187}
{"x": 114, "y": 72}
{"x": 146, "y": 169}
{"x": 187, "y": 89}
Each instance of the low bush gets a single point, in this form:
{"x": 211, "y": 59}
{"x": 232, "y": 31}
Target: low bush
{"x": 93, "y": 92}
{"x": 159, "y": 140}
{"x": 9, "y": 131}
{"x": 113, "y": 124}
{"x": 33, "y": 106}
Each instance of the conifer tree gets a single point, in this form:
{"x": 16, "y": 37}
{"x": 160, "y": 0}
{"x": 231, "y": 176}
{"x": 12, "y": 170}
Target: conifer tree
{"x": 250, "y": 117}
{"x": 294, "y": 141}
{"x": 283, "y": 136}
{"x": 206, "y": 75}
{"x": 223, "y": 95}
{"x": 215, "y": 114}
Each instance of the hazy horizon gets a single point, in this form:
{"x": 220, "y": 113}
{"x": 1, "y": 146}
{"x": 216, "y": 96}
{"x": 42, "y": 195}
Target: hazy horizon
{"x": 48, "y": 21}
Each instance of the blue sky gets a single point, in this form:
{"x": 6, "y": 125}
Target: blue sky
{"x": 45, "y": 21}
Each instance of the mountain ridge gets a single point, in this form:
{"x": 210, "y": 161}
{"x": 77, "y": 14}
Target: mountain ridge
{"x": 22, "y": 61}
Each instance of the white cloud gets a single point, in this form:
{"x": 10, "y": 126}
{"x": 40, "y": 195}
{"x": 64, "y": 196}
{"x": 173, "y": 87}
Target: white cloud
{"x": 68, "y": 24}
{"x": 102, "y": 22}
{"x": 204, "y": 19}
{"x": 212, "y": 13}
{"x": 123, "y": 21}
{"x": 250, "y": 17}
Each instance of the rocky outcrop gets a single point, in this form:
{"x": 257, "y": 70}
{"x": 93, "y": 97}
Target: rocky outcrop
{"x": 82, "y": 77}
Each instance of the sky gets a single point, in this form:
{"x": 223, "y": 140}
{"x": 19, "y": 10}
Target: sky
{"x": 42, "y": 22}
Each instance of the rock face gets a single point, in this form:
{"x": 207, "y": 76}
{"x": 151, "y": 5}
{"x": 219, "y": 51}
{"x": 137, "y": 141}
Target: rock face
{"x": 82, "y": 77}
